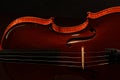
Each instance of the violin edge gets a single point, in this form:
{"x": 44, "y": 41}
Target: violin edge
{"x": 60, "y": 29}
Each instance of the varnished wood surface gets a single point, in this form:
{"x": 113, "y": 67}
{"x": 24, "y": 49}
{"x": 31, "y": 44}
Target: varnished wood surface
{"x": 107, "y": 36}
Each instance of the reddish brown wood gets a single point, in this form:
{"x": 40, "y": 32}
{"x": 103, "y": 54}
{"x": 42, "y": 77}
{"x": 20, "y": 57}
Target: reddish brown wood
{"x": 39, "y": 36}
{"x": 70, "y": 29}
{"x": 36, "y": 36}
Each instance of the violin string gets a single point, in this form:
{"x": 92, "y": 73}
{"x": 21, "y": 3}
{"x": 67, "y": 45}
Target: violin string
{"x": 66, "y": 65}
{"x": 96, "y": 61}
{"x": 75, "y": 66}
{"x": 78, "y": 66}
{"x": 53, "y": 61}
{"x": 104, "y": 56}
{"x": 67, "y": 57}
{"x": 75, "y": 52}
{"x": 38, "y": 52}
{"x": 100, "y": 64}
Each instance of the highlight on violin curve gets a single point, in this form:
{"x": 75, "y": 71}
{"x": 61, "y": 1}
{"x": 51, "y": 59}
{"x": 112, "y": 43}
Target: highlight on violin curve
{"x": 28, "y": 19}
{"x": 70, "y": 29}
{"x": 104, "y": 12}
{"x": 82, "y": 26}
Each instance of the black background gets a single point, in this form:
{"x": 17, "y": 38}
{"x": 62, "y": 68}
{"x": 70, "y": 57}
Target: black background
{"x": 71, "y": 10}
{"x": 56, "y": 8}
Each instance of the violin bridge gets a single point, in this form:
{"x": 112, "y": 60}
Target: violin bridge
{"x": 82, "y": 57}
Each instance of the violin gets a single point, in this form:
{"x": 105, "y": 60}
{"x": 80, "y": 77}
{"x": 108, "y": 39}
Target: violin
{"x": 33, "y": 47}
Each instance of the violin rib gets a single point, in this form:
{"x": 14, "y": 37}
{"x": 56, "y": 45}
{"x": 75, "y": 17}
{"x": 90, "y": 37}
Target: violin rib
{"x": 70, "y": 29}
{"x": 91, "y": 15}
{"x": 103, "y": 12}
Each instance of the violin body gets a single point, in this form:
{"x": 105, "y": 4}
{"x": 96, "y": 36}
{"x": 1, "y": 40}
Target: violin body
{"x": 100, "y": 33}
